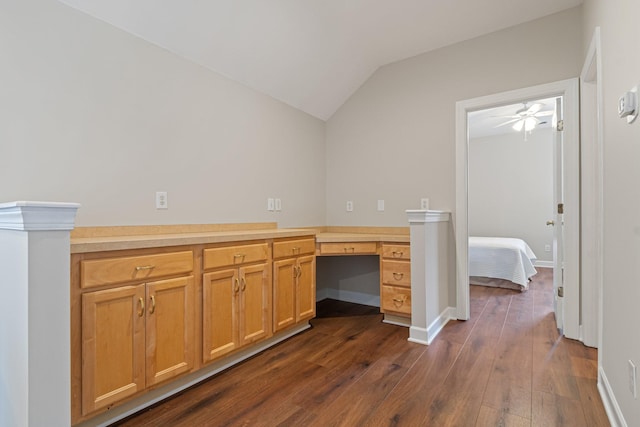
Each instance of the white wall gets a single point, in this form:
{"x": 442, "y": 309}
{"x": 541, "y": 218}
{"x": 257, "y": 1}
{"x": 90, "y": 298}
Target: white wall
{"x": 394, "y": 139}
{"x": 91, "y": 114}
{"x": 618, "y": 20}
{"x": 511, "y": 188}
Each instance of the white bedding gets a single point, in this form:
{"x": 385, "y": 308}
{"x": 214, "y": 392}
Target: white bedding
{"x": 501, "y": 258}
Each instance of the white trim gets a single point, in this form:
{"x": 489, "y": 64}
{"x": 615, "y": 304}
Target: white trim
{"x": 569, "y": 90}
{"x": 611, "y": 407}
{"x": 354, "y": 297}
{"x": 436, "y": 326}
{"x": 38, "y": 216}
{"x": 418, "y": 335}
{"x": 426, "y": 336}
{"x": 418, "y": 216}
{"x": 543, "y": 264}
{"x": 593, "y": 199}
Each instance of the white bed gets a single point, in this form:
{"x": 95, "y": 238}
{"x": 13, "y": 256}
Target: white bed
{"x": 501, "y": 262}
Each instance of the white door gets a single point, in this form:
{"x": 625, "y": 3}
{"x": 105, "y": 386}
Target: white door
{"x": 558, "y": 222}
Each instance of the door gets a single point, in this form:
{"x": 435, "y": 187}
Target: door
{"x": 558, "y": 217}
{"x": 169, "y": 328}
{"x": 113, "y": 346}
{"x": 284, "y": 289}
{"x": 306, "y": 287}
{"x": 219, "y": 313}
{"x": 255, "y": 303}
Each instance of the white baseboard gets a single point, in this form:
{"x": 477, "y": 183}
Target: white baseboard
{"x": 436, "y": 326}
{"x": 616, "y": 419}
{"x": 349, "y": 296}
{"x": 426, "y": 336}
{"x": 543, "y": 264}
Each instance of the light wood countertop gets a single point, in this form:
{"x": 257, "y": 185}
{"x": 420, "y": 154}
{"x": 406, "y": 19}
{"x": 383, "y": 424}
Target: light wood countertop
{"x": 113, "y": 243}
{"x": 99, "y": 239}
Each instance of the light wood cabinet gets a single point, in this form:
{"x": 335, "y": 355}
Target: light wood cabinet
{"x": 395, "y": 279}
{"x": 134, "y": 337}
{"x": 294, "y": 282}
{"x": 237, "y": 299}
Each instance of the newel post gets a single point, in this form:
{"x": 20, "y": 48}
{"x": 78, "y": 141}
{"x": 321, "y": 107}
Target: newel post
{"x": 430, "y": 309}
{"x": 34, "y": 313}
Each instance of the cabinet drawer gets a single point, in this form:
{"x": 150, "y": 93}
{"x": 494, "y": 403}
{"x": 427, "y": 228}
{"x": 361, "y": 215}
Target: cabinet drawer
{"x": 348, "y": 248}
{"x": 287, "y": 248}
{"x": 395, "y": 251}
{"x": 100, "y": 272}
{"x": 395, "y": 299}
{"x": 396, "y": 272}
{"x": 235, "y": 255}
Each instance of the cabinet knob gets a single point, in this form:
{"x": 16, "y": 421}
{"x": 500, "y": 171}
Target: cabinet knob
{"x": 398, "y": 276}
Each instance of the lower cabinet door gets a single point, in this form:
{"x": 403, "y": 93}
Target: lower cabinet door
{"x": 255, "y": 303}
{"x": 113, "y": 346}
{"x": 219, "y": 313}
{"x": 284, "y": 293}
{"x": 306, "y": 287}
{"x": 170, "y": 328}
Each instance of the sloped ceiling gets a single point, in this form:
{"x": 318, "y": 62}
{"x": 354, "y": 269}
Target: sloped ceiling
{"x": 310, "y": 54}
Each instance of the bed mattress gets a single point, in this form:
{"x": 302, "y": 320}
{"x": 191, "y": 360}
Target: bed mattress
{"x": 503, "y": 258}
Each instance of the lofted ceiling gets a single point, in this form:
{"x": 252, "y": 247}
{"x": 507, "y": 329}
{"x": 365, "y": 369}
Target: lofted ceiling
{"x": 310, "y": 54}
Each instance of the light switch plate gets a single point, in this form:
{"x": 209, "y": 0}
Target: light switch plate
{"x": 271, "y": 205}
{"x": 349, "y": 206}
{"x": 380, "y": 205}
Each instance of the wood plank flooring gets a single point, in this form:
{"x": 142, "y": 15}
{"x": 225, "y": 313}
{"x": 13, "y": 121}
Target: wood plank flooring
{"x": 506, "y": 366}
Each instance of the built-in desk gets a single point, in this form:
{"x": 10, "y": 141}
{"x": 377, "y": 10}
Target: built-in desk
{"x": 392, "y": 247}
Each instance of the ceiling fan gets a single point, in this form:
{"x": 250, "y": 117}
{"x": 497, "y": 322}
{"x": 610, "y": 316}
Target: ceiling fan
{"x": 526, "y": 118}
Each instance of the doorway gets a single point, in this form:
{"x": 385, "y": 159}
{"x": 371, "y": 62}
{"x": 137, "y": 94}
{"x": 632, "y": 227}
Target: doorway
{"x": 568, "y": 90}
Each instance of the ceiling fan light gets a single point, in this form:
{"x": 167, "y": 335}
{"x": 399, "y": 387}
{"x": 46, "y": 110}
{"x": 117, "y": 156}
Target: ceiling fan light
{"x": 517, "y": 126}
{"x": 529, "y": 124}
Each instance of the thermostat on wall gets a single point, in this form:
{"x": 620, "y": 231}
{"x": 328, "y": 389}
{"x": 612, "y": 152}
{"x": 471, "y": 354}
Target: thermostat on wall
{"x": 628, "y": 105}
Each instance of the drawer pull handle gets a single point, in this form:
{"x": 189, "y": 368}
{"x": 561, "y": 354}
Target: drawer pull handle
{"x": 352, "y": 249}
{"x": 153, "y": 304}
{"x": 398, "y": 302}
{"x": 141, "y": 310}
{"x": 398, "y": 276}
{"x": 244, "y": 285}
{"x": 236, "y": 288}
{"x": 296, "y": 250}
{"x": 145, "y": 267}
{"x": 397, "y": 254}
{"x": 241, "y": 256}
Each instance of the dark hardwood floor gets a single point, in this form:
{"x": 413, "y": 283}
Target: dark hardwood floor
{"x": 506, "y": 366}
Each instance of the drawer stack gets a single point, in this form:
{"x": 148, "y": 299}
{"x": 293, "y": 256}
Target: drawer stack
{"x": 395, "y": 279}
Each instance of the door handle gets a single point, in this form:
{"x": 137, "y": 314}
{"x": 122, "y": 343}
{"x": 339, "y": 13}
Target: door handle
{"x": 551, "y": 222}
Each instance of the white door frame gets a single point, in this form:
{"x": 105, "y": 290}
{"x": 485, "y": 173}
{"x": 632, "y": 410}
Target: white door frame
{"x": 592, "y": 193}
{"x": 569, "y": 90}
